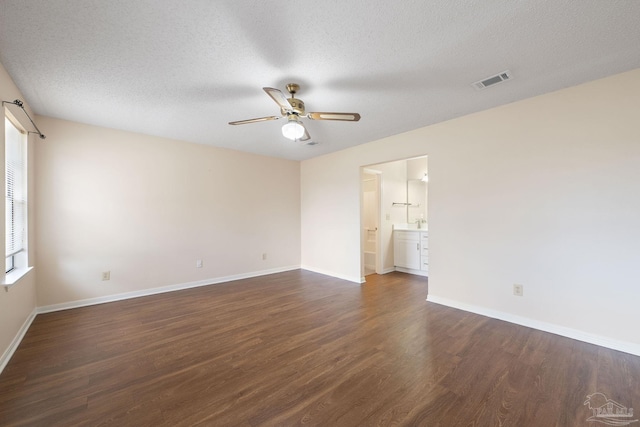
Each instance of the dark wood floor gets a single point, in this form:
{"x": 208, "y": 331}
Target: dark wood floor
{"x": 299, "y": 348}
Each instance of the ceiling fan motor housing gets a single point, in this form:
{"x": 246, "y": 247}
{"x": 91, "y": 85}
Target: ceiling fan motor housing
{"x": 296, "y": 105}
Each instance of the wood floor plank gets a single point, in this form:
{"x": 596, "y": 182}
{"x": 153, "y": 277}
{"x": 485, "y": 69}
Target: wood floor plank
{"x": 300, "y": 348}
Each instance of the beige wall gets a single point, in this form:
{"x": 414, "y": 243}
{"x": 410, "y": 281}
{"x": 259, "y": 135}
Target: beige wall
{"x": 146, "y": 208}
{"x": 542, "y": 192}
{"x": 19, "y": 302}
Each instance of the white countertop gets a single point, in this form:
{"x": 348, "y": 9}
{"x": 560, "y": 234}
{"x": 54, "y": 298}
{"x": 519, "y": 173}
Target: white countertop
{"x": 410, "y": 227}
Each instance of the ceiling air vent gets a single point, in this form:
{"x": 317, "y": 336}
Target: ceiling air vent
{"x": 493, "y": 80}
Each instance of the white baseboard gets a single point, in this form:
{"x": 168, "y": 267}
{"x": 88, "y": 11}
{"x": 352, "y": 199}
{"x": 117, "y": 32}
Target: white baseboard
{"x": 386, "y": 270}
{"x": 159, "y": 290}
{"x": 412, "y": 271}
{"x": 355, "y": 279}
{"x": 575, "y": 334}
{"x": 363, "y": 279}
{"x": 6, "y": 356}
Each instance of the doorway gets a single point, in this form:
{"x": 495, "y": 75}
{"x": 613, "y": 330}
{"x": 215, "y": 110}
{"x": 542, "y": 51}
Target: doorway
{"x": 393, "y": 196}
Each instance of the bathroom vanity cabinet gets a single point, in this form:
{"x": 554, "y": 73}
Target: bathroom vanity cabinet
{"x": 411, "y": 251}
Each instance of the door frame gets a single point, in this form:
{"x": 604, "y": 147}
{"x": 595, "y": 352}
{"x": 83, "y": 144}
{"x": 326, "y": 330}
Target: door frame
{"x": 378, "y": 213}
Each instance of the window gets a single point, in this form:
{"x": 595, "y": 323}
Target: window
{"x": 16, "y": 196}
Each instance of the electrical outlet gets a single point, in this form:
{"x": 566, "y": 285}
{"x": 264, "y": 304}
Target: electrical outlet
{"x": 198, "y": 263}
{"x": 518, "y": 290}
{"x": 106, "y": 275}
{"x": 264, "y": 256}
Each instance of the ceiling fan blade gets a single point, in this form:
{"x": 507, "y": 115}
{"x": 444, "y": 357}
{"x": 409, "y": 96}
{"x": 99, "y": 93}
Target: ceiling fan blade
{"x": 279, "y": 97}
{"x": 306, "y": 136}
{"x": 260, "y": 119}
{"x": 347, "y": 117}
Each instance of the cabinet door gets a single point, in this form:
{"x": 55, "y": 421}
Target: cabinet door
{"x": 406, "y": 250}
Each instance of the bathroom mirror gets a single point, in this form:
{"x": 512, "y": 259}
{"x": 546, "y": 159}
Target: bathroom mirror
{"x": 417, "y": 200}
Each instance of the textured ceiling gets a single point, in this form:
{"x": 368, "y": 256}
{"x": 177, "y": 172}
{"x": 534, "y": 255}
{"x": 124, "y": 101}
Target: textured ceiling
{"x": 184, "y": 69}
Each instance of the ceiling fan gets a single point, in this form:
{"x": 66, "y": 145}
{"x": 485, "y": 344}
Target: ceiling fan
{"x": 293, "y": 110}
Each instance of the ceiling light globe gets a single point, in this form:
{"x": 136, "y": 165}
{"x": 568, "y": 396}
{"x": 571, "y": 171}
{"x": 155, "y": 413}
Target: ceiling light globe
{"x": 292, "y": 130}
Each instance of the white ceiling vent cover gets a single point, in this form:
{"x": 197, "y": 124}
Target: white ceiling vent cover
{"x": 493, "y": 80}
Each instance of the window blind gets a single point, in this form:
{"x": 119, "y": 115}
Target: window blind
{"x": 16, "y": 201}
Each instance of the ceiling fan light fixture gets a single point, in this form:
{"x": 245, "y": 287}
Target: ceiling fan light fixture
{"x": 293, "y": 129}
{"x": 293, "y": 109}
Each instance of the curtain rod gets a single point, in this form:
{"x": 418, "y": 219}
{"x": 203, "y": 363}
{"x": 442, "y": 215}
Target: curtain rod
{"x": 19, "y": 104}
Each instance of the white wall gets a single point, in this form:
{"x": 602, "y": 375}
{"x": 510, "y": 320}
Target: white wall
{"x": 146, "y": 208}
{"x": 17, "y": 305}
{"x": 542, "y": 192}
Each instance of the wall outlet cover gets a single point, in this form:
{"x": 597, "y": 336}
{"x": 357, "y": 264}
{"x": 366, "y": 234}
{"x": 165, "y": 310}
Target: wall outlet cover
{"x": 518, "y": 290}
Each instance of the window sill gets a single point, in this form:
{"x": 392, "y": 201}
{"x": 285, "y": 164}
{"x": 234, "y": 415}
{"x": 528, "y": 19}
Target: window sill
{"x": 14, "y": 276}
